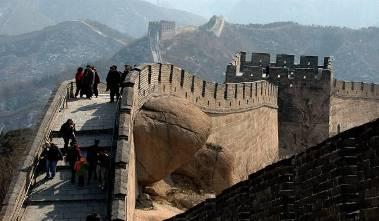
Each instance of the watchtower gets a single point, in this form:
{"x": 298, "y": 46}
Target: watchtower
{"x": 304, "y": 91}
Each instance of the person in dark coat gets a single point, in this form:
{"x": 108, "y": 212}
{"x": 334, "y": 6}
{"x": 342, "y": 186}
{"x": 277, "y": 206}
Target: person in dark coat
{"x": 73, "y": 155}
{"x": 88, "y": 81}
{"x": 78, "y": 80}
{"x": 96, "y": 83}
{"x": 103, "y": 161}
{"x": 92, "y": 160}
{"x": 67, "y": 132}
{"x": 113, "y": 83}
{"x": 52, "y": 155}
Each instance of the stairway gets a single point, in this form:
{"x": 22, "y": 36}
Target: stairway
{"x": 58, "y": 199}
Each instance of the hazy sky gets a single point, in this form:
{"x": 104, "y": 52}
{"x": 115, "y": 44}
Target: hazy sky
{"x": 350, "y": 13}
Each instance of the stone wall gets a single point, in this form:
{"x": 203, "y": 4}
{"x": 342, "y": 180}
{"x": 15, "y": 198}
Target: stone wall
{"x": 165, "y": 29}
{"x": 335, "y": 180}
{"x": 249, "y": 139}
{"x": 352, "y": 104}
{"x": 241, "y": 113}
{"x": 244, "y": 113}
{"x": 303, "y": 97}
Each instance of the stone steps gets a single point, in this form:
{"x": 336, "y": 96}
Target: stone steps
{"x": 86, "y": 141}
{"x": 59, "y": 199}
{"x": 64, "y": 211}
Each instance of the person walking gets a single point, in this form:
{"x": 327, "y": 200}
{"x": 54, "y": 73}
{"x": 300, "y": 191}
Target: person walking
{"x": 96, "y": 83}
{"x": 92, "y": 160}
{"x": 78, "y": 81}
{"x": 67, "y": 132}
{"x": 81, "y": 167}
{"x": 89, "y": 81}
{"x": 52, "y": 155}
{"x": 113, "y": 83}
{"x": 73, "y": 156}
{"x": 104, "y": 163}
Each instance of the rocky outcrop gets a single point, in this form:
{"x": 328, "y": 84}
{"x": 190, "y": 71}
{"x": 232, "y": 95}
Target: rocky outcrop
{"x": 167, "y": 133}
{"x": 211, "y": 168}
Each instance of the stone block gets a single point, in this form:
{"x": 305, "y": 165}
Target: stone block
{"x": 122, "y": 152}
{"x": 124, "y": 125}
{"x": 118, "y": 210}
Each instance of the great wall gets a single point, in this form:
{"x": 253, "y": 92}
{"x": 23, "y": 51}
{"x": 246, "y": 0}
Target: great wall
{"x": 263, "y": 112}
{"x": 312, "y": 104}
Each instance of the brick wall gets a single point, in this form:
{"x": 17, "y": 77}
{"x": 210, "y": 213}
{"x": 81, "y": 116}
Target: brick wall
{"x": 241, "y": 113}
{"x": 352, "y": 104}
{"x": 336, "y": 180}
{"x": 303, "y": 95}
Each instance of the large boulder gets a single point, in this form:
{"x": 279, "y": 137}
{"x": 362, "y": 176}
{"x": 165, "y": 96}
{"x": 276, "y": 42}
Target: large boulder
{"x": 211, "y": 168}
{"x": 167, "y": 133}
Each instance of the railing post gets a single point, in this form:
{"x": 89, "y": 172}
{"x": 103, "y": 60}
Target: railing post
{"x": 72, "y": 89}
{"x": 67, "y": 97}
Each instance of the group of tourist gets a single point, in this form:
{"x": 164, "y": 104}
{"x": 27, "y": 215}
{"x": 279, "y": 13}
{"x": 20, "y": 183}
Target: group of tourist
{"x": 94, "y": 162}
{"x": 93, "y": 165}
{"x": 87, "y": 81}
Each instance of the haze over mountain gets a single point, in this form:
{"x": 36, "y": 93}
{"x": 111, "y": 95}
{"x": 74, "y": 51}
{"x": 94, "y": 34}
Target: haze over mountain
{"x": 127, "y": 16}
{"x": 355, "y": 51}
{"x": 349, "y": 13}
{"x": 31, "y": 64}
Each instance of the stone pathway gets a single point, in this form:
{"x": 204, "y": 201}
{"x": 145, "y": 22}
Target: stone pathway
{"x": 58, "y": 199}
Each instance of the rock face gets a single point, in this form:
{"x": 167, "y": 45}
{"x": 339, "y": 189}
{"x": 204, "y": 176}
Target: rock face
{"x": 211, "y": 168}
{"x": 167, "y": 133}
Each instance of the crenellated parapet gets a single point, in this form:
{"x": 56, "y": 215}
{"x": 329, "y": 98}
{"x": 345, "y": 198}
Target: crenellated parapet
{"x": 248, "y": 105}
{"x": 165, "y": 29}
{"x": 303, "y": 94}
{"x": 209, "y": 96}
{"x": 349, "y": 89}
{"x": 283, "y": 71}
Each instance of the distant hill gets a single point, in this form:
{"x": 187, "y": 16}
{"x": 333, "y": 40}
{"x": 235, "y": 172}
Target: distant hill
{"x": 352, "y": 13}
{"x": 31, "y": 64}
{"x": 127, "y": 16}
{"x": 356, "y": 52}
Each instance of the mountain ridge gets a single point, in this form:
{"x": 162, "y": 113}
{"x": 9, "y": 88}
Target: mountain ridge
{"x": 31, "y": 64}
{"x": 130, "y": 16}
{"x": 355, "y": 51}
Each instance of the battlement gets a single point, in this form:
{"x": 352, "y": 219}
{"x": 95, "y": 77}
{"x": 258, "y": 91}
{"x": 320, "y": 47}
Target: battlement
{"x": 283, "y": 71}
{"x": 209, "y": 96}
{"x": 355, "y": 89}
{"x": 165, "y": 29}
{"x": 281, "y": 60}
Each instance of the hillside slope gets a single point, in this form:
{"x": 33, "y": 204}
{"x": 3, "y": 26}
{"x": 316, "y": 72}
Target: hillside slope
{"x": 31, "y": 64}
{"x": 127, "y": 16}
{"x": 355, "y": 51}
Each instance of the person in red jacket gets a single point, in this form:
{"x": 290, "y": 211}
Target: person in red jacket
{"x": 73, "y": 156}
{"x": 78, "y": 80}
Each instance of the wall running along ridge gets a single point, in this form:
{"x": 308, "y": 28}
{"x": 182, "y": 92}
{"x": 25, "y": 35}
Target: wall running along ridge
{"x": 352, "y": 104}
{"x": 241, "y": 113}
{"x": 312, "y": 104}
{"x": 335, "y": 180}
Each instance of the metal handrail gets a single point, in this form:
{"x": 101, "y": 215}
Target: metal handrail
{"x": 11, "y": 210}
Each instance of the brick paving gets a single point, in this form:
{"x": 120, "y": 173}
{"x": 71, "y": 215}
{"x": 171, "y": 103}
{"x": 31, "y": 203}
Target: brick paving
{"x": 59, "y": 199}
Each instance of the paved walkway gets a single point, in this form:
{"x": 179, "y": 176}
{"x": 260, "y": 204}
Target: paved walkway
{"x": 58, "y": 199}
